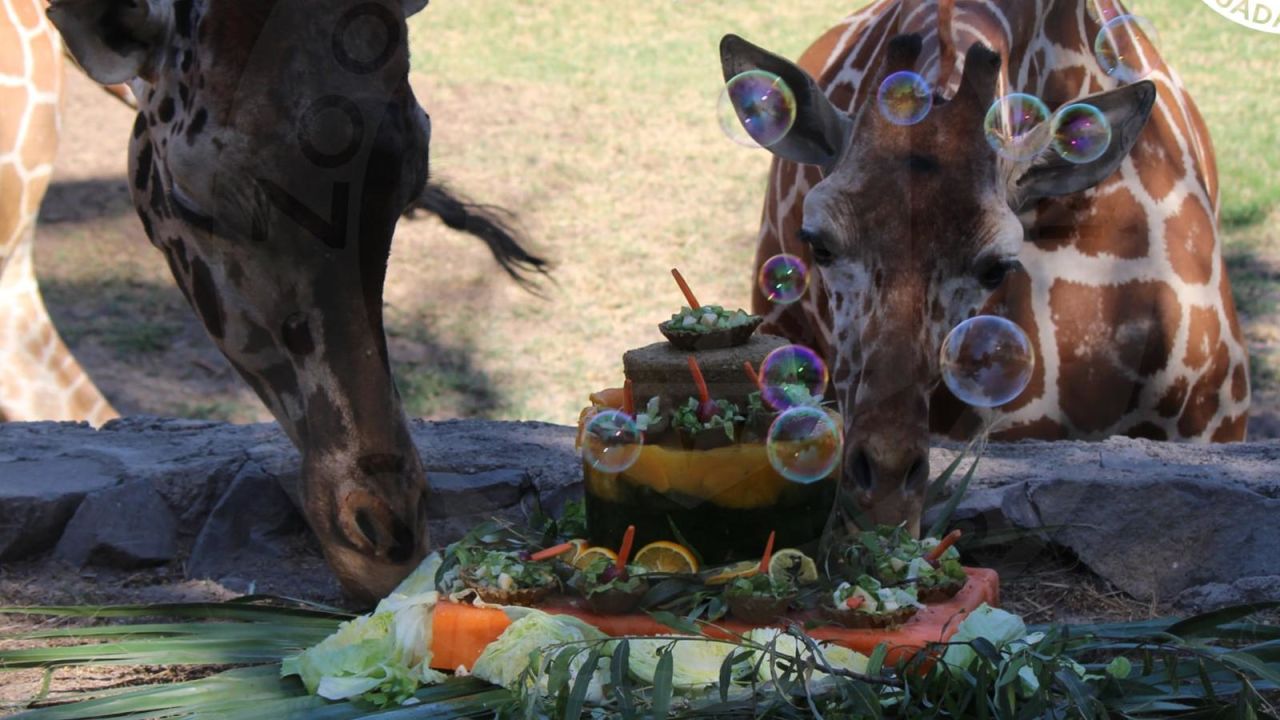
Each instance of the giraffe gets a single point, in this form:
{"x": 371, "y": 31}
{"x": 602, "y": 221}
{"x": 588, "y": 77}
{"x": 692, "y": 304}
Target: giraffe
{"x": 1113, "y": 268}
{"x": 276, "y": 145}
{"x": 41, "y": 379}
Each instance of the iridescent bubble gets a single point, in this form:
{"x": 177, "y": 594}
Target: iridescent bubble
{"x": 987, "y": 361}
{"x": 611, "y": 442}
{"x": 1015, "y": 126}
{"x": 803, "y": 444}
{"x": 756, "y": 108}
{"x": 1119, "y": 47}
{"x": 905, "y": 98}
{"x": 784, "y": 279}
{"x": 792, "y": 375}
{"x": 1081, "y": 133}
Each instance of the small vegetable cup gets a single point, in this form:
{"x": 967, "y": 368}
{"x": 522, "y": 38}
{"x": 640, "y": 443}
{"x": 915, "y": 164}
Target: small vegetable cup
{"x": 695, "y": 340}
{"x": 759, "y": 599}
{"x": 857, "y": 619}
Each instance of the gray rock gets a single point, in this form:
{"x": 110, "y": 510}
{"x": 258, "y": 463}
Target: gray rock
{"x": 39, "y": 496}
{"x": 248, "y": 526}
{"x": 127, "y": 526}
{"x": 1264, "y": 588}
{"x": 1153, "y": 518}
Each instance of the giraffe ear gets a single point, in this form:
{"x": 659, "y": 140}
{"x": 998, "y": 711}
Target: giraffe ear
{"x": 413, "y": 7}
{"x": 1127, "y": 109}
{"x": 820, "y": 132}
{"x": 113, "y": 40}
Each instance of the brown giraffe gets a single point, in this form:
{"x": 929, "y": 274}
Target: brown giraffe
{"x": 276, "y": 145}
{"x": 41, "y": 380}
{"x": 1113, "y": 267}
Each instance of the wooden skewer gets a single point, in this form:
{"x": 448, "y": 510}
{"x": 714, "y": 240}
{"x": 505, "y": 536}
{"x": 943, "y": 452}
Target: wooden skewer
{"x": 768, "y": 552}
{"x": 936, "y": 553}
{"x": 554, "y": 550}
{"x": 684, "y": 288}
{"x": 624, "y": 552}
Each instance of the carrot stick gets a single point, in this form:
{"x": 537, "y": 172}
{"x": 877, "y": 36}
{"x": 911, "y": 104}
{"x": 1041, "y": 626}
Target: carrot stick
{"x": 854, "y": 602}
{"x": 548, "y": 553}
{"x": 684, "y": 288}
{"x": 750, "y": 370}
{"x": 624, "y": 552}
{"x": 948, "y": 541}
{"x": 628, "y": 399}
{"x": 704, "y": 394}
{"x": 768, "y": 552}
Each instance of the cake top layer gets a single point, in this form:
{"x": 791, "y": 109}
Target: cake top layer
{"x": 663, "y": 370}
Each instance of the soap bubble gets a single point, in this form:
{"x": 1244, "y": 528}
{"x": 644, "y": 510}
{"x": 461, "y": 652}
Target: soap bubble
{"x": 803, "y": 444}
{"x": 1014, "y": 126}
{"x": 784, "y": 279}
{"x": 611, "y": 442}
{"x": 1119, "y": 47}
{"x": 905, "y": 98}
{"x": 987, "y": 361}
{"x": 792, "y": 375}
{"x": 1081, "y": 133}
{"x": 756, "y": 108}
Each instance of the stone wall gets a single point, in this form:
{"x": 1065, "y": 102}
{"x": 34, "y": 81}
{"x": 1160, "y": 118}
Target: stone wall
{"x": 1193, "y": 524}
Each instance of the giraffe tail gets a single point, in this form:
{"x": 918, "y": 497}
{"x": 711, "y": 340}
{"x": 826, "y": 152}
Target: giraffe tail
{"x": 489, "y": 223}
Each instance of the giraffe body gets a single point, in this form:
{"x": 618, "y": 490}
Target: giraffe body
{"x": 40, "y": 380}
{"x": 1120, "y": 285}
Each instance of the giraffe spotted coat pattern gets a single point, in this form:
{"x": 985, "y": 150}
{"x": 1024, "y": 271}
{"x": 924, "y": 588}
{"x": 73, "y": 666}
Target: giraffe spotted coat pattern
{"x": 41, "y": 380}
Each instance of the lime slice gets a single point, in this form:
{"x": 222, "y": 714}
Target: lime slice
{"x": 728, "y": 573}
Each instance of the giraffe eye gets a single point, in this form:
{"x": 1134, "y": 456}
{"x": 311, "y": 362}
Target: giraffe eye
{"x": 992, "y": 272}
{"x": 818, "y": 245}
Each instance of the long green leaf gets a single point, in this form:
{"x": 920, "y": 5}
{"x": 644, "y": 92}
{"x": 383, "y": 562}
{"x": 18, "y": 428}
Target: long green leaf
{"x": 202, "y": 611}
{"x": 662, "y": 686}
{"x": 1208, "y": 623}
{"x": 949, "y": 509}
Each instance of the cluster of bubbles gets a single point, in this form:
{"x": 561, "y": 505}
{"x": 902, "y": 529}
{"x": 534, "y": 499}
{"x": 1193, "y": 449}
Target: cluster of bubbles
{"x": 792, "y": 375}
{"x": 784, "y": 279}
{"x": 611, "y": 441}
{"x": 987, "y": 361}
{"x": 804, "y": 444}
{"x": 905, "y": 98}
{"x": 1019, "y": 127}
{"x": 756, "y": 109}
{"x": 1118, "y": 46}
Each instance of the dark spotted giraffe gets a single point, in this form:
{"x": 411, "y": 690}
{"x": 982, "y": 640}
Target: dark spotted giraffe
{"x": 276, "y": 145}
{"x": 1114, "y": 268}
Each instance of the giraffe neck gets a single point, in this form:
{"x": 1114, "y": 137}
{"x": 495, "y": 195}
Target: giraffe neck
{"x": 39, "y": 378}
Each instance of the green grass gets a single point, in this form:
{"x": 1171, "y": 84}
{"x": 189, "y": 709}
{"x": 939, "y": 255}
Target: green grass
{"x": 596, "y": 125}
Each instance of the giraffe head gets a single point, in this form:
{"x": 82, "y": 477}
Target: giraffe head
{"x": 277, "y": 143}
{"x": 913, "y": 229}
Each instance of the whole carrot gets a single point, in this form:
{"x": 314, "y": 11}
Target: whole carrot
{"x": 768, "y": 552}
{"x": 553, "y": 551}
{"x": 624, "y": 552}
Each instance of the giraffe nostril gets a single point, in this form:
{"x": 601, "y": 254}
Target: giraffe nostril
{"x": 296, "y": 334}
{"x": 367, "y": 526}
{"x": 861, "y": 468}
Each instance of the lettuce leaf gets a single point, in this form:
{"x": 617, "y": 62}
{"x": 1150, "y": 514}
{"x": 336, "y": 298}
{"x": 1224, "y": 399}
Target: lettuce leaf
{"x": 531, "y": 642}
{"x": 696, "y": 660}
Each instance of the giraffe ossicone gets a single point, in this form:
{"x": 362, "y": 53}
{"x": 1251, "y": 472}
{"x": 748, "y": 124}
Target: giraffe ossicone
{"x": 1108, "y": 260}
{"x": 276, "y": 145}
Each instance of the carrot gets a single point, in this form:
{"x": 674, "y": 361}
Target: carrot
{"x": 768, "y": 552}
{"x": 751, "y": 373}
{"x": 704, "y": 393}
{"x": 628, "y": 399}
{"x": 624, "y": 552}
{"x": 684, "y": 288}
{"x": 553, "y": 551}
{"x": 948, "y": 541}
{"x": 854, "y": 602}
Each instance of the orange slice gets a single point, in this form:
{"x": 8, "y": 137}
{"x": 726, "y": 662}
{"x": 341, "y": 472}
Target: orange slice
{"x": 668, "y": 557}
{"x": 579, "y": 546}
{"x": 591, "y": 554}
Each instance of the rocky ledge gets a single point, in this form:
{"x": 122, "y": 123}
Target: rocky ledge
{"x": 1194, "y": 525}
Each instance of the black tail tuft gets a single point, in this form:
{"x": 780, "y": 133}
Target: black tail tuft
{"x": 491, "y": 224}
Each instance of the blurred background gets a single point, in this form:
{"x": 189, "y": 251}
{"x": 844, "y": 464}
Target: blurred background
{"x": 594, "y": 124}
